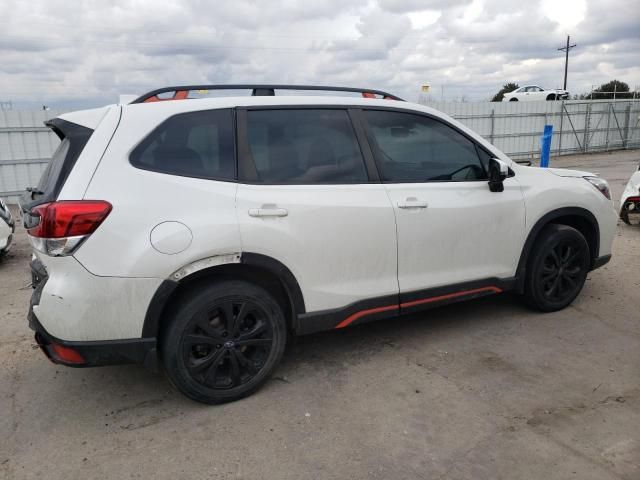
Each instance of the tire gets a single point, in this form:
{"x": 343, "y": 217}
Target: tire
{"x": 557, "y": 268}
{"x": 513, "y": 100}
{"x": 624, "y": 216}
{"x": 551, "y": 97}
{"x": 223, "y": 342}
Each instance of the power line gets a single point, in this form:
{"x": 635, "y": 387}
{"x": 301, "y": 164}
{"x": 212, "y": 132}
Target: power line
{"x": 566, "y": 59}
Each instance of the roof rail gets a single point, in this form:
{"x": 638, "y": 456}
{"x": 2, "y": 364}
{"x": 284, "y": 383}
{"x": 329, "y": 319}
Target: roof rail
{"x": 182, "y": 92}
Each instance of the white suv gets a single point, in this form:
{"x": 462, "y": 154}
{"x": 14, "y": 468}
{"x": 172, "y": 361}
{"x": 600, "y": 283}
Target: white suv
{"x": 201, "y": 233}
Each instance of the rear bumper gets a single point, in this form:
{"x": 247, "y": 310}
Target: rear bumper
{"x": 94, "y": 354}
{"x": 85, "y": 353}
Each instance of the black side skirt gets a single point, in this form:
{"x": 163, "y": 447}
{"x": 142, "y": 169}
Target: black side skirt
{"x": 394, "y": 305}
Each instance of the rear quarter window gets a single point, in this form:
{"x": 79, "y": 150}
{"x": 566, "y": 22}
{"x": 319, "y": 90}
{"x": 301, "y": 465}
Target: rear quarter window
{"x": 194, "y": 144}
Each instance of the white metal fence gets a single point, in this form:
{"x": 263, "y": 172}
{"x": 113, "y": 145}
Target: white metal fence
{"x": 579, "y": 126}
{"x": 25, "y": 148}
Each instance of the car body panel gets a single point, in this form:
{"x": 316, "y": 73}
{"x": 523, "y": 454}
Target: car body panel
{"x": 465, "y": 233}
{"x": 76, "y": 305}
{"x": 145, "y": 199}
{"x": 338, "y": 241}
{"x": 545, "y": 192}
{"x": 7, "y": 227}
{"x": 104, "y": 122}
{"x": 631, "y": 189}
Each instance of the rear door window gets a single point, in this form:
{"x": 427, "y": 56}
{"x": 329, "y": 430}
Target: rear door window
{"x": 306, "y": 146}
{"x": 194, "y": 144}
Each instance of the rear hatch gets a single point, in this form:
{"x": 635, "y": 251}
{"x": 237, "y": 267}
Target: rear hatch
{"x": 73, "y": 138}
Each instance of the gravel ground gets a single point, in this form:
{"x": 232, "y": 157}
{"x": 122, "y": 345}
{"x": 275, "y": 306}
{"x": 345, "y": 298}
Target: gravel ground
{"x": 480, "y": 390}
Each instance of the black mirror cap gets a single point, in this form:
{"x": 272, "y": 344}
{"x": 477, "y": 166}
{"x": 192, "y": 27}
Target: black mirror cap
{"x": 496, "y": 186}
{"x": 496, "y": 177}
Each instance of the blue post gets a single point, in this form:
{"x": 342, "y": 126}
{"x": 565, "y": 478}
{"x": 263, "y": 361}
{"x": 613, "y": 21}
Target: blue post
{"x": 545, "y": 142}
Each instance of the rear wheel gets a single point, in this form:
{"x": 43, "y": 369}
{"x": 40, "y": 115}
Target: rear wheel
{"x": 551, "y": 97}
{"x": 223, "y": 342}
{"x": 557, "y": 268}
{"x": 513, "y": 100}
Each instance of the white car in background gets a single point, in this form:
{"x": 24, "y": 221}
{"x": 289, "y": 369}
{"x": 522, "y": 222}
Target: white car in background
{"x": 630, "y": 200}
{"x": 534, "y": 93}
{"x": 7, "y": 227}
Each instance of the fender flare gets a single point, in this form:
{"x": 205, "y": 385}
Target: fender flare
{"x": 541, "y": 223}
{"x": 166, "y": 289}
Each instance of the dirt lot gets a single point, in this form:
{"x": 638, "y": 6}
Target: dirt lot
{"x": 482, "y": 390}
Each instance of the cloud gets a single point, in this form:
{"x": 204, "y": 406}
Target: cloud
{"x": 86, "y": 53}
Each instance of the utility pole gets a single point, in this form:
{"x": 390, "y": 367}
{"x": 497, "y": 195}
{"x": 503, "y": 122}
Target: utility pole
{"x": 566, "y": 59}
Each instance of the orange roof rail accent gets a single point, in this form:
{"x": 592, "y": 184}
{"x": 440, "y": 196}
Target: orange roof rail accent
{"x": 178, "y": 95}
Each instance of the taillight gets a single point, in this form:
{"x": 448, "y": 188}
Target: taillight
{"x": 62, "y": 226}
{"x": 632, "y": 204}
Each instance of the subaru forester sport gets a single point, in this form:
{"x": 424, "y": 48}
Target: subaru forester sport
{"x": 198, "y": 235}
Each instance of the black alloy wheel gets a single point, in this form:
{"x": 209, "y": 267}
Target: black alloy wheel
{"x": 223, "y": 341}
{"x": 562, "y": 270}
{"x": 227, "y": 345}
{"x": 557, "y": 268}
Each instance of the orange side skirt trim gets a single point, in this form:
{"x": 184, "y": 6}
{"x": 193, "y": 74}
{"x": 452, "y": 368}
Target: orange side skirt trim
{"x": 355, "y": 316}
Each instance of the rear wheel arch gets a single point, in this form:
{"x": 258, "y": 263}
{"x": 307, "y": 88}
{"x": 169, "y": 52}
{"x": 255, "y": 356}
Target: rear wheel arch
{"x": 552, "y": 96}
{"x": 579, "y": 218}
{"x": 261, "y": 270}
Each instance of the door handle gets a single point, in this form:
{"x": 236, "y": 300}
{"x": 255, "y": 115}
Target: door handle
{"x": 412, "y": 202}
{"x": 268, "y": 211}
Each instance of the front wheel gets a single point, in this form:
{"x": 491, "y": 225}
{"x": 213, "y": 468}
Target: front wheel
{"x": 513, "y": 100}
{"x": 223, "y": 342}
{"x": 557, "y": 268}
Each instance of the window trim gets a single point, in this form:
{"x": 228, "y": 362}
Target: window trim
{"x": 234, "y": 144}
{"x": 375, "y": 147}
{"x": 247, "y": 172}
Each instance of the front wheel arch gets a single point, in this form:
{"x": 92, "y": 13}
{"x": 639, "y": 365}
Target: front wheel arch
{"x": 579, "y": 218}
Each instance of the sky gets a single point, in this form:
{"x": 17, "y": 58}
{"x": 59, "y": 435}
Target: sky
{"x": 66, "y": 54}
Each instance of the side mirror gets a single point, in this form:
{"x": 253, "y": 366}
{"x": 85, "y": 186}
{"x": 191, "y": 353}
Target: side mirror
{"x": 498, "y": 171}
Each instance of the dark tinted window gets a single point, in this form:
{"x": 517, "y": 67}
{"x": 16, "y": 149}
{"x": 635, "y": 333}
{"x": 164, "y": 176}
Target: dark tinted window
{"x": 304, "y": 146}
{"x": 413, "y": 148}
{"x": 52, "y": 172}
{"x": 74, "y": 138}
{"x": 194, "y": 144}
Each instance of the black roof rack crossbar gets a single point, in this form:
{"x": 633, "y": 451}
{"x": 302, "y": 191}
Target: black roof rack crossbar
{"x": 181, "y": 92}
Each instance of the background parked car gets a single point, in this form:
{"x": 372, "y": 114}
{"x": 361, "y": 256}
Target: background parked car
{"x": 534, "y": 93}
{"x": 7, "y": 227}
{"x": 630, "y": 200}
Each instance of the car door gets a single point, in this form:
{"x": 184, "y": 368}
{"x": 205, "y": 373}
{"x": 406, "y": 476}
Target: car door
{"x": 305, "y": 199}
{"x": 537, "y": 94}
{"x": 528, "y": 94}
{"x": 451, "y": 228}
